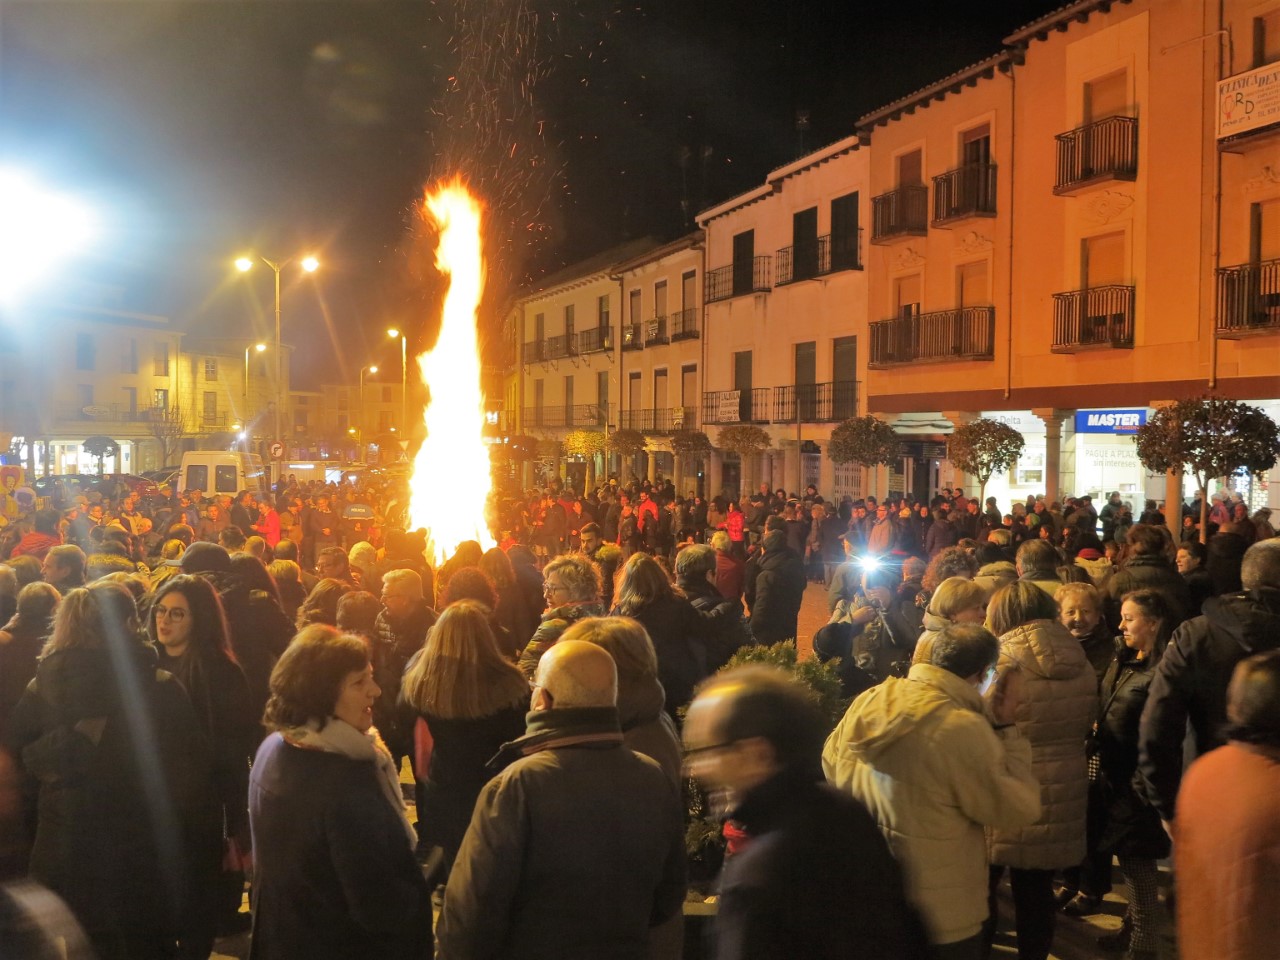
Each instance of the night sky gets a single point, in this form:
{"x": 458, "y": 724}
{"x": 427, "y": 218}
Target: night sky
{"x": 200, "y": 129}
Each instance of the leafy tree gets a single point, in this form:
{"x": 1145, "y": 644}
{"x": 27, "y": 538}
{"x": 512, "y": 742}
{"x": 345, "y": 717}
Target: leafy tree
{"x": 584, "y": 443}
{"x": 865, "y": 441}
{"x": 690, "y": 443}
{"x": 626, "y": 443}
{"x": 983, "y": 447}
{"x": 1208, "y": 437}
{"x": 101, "y": 447}
{"x": 745, "y": 440}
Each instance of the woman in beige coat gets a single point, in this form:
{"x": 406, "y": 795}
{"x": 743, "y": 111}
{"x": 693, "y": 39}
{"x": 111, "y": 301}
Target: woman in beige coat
{"x": 1056, "y": 713}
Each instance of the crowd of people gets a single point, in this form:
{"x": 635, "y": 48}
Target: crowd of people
{"x": 203, "y": 693}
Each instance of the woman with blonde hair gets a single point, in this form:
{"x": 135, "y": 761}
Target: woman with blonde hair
{"x": 571, "y": 584}
{"x": 473, "y": 699}
{"x": 956, "y": 600}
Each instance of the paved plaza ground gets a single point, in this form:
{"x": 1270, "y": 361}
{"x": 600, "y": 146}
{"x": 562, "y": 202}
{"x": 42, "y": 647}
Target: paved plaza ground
{"x": 1075, "y": 939}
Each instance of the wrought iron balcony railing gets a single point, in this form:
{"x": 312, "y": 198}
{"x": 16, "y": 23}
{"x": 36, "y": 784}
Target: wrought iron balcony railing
{"x": 828, "y": 254}
{"x": 815, "y": 402}
{"x": 1249, "y": 299}
{"x": 739, "y": 278}
{"x": 900, "y": 213}
{"x": 655, "y": 332}
{"x": 1102, "y": 150}
{"x": 737, "y": 406}
{"x": 532, "y": 352}
{"x": 1095, "y": 317}
{"x": 659, "y": 420}
{"x": 595, "y": 340}
{"x": 560, "y": 346}
{"x": 568, "y": 416}
{"x": 967, "y": 191}
{"x": 964, "y": 334}
{"x": 684, "y": 325}
{"x": 632, "y": 336}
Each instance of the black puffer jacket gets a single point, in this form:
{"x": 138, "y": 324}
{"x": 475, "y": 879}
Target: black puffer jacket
{"x": 733, "y": 635}
{"x": 779, "y": 592}
{"x": 681, "y": 637}
{"x": 1191, "y": 680}
{"x": 122, "y": 779}
{"x": 1130, "y": 826}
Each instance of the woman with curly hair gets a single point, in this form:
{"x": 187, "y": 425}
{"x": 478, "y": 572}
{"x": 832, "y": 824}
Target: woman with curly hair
{"x": 571, "y": 584}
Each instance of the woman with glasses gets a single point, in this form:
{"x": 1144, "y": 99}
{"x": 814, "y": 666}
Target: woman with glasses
{"x": 115, "y": 757}
{"x": 571, "y": 585}
{"x": 189, "y": 631}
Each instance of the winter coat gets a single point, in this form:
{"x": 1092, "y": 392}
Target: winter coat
{"x": 779, "y": 593}
{"x": 882, "y": 537}
{"x": 729, "y": 576}
{"x": 933, "y": 625}
{"x": 815, "y": 879}
{"x": 1058, "y": 707}
{"x": 1130, "y": 826}
{"x": 721, "y": 644}
{"x": 97, "y": 733}
{"x": 20, "y": 646}
{"x": 576, "y": 815}
{"x": 942, "y": 534}
{"x": 1191, "y": 685}
{"x": 1046, "y": 580}
{"x": 1100, "y": 571}
{"x": 1228, "y": 844}
{"x": 554, "y": 622}
{"x": 922, "y": 757}
{"x": 1200, "y": 586}
{"x": 395, "y": 642}
{"x": 992, "y": 576}
{"x": 334, "y": 874}
{"x": 1147, "y": 572}
{"x": 36, "y": 544}
{"x": 681, "y": 636}
{"x": 462, "y": 748}
{"x": 1225, "y": 555}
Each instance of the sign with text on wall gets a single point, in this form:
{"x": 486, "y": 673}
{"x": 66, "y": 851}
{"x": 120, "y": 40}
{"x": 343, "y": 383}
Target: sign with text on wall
{"x": 1110, "y": 421}
{"x": 1249, "y": 101}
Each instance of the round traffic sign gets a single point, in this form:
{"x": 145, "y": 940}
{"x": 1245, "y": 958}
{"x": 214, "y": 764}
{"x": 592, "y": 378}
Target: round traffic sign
{"x": 277, "y": 449}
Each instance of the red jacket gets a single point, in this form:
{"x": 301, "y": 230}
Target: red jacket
{"x": 36, "y": 545}
{"x": 734, "y": 524}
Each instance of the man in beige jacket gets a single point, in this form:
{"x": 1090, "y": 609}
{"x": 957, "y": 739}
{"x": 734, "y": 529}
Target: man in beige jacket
{"x": 935, "y": 765}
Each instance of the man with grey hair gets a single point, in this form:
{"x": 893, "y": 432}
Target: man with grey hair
{"x": 696, "y": 566}
{"x": 576, "y": 849}
{"x": 1190, "y": 682}
{"x": 400, "y": 631}
{"x": 935, "y": 765}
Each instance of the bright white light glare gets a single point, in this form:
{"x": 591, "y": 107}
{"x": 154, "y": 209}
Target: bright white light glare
{"x": 310, "y": 264}
{"x": 870, "y": 563}
{"x": 39, "y": 228}
{"x": 244, "y": 264}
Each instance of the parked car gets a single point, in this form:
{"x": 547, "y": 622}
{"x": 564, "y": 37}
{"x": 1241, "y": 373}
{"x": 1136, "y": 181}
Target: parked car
{"x": 62, "y": 489}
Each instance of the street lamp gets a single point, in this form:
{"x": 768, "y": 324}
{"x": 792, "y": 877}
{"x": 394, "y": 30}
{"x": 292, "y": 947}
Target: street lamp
{"x": 372, "y": 368}
{"x": 258, "y": 347}
{"x": 404, "y": 376}
{"x": 310, "y": 265}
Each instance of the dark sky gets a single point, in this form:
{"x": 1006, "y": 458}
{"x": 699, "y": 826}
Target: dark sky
{"x": 204, "y": 128}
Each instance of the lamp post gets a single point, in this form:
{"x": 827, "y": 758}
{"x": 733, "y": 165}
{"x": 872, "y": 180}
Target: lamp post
{"x": 404, "y": 377}
{"x": 363, "y": 409}
{"x": 310, "y": 265}
{"x": 259, "y": 347}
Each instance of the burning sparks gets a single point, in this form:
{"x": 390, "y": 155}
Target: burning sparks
{"x": 451, "y": 478}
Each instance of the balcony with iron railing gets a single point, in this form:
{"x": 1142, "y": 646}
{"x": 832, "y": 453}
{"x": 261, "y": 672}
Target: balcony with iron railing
{"x": 724, "y": 407}
{"x": 533, "y": 352}
{"x": 964, "y": 334}
{"x": 967, "y": 191}
{"x": 659, "y": 420}
{"x": 684, "y": 325}
{"x": 1249, "y": 300}
{"x": 1097, "y": 152}
{"x": 900, "y": 213}
{"x": 808, "y": 261}
{"x": 568, "y": 416}
{"x": 109, "y": 413}
{"x": 633, "y": 336}
{"x": 739, "y": 278}
{"x": 595, "y": 340}
{"x": 560, "y": 346}
{"x": 815, "y": 402}
{"x": 1094, "y": 317}
{"x": 655, "y": 332}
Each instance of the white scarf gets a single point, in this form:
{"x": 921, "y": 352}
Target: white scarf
{"x": 340, "y": 737}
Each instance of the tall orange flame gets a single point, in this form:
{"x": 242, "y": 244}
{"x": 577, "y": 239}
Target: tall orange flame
{"x": 451, "y": 477}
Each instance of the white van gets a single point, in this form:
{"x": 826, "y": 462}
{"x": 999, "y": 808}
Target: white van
{"x": 222, "y": 471}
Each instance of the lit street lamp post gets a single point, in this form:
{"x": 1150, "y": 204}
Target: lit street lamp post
{"x": 259, "y": 347}
{"x": 364, "y": 410}
{"x": 404, "y": 378}
{"x": 309, "y": 264}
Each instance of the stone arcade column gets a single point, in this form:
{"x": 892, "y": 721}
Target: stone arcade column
{"x": 1053, "y": 420}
